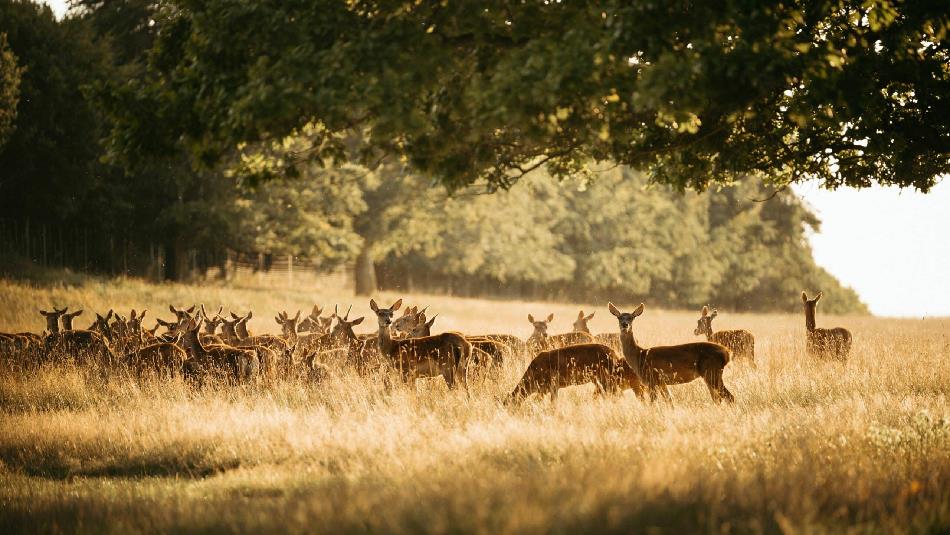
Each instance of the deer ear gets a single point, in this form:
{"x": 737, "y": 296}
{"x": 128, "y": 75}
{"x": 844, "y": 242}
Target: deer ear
{"x": 172, "y": 309}
{"x": 421, "y": 318}
{"x": 79, "y": 312}
{"x": 817, "y": 297}
{"x": 297, "y": 317}
{"x": 613, "y": 310}
{"x": 316, "y": 311}
{"x": 530, "y": 318}
{"x": 705, "y": 311}
{"x": 804, "y": 297}
{"x": 373, "y": 306}
{"x": 431, "y": 321}
{"x": 357, "y": 321}
{"x": 590, "y": 317}
{"x": 141, "y": 316}
{"x": 550, "y": 317}
{"x": 397, "y": 305}
{"x": 277, "y": 319}
{"x": 639, "y": 310}
{"x": 191, "y": 310}
{"x": 580, "y": 315}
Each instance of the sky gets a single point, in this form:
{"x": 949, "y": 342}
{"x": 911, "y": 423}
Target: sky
{"x": 891, "y": 246}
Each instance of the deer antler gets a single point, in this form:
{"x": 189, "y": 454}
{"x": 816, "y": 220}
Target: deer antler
{"x": 348, "y": 313}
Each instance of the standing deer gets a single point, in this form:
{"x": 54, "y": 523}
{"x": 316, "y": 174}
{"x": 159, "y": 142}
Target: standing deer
{"x": 485, "y": 350}
{"x": 823, "y": 343}
{"x": 241, "y": 365}
{"x": 540, "y": 339}
{"x": 577, "y": 365}
{"x": 52, "y": 319}
{"x": 660, "y": 366}
{"x": 739, "y": 341}
{"x": 445, "y": 354}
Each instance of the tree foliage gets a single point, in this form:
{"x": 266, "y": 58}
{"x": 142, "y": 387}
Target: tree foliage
{"x": 10, "y": 74}
{"x": 848, "y": 91}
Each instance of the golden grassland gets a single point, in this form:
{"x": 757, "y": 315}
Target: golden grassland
{"x": 809, "y": 446}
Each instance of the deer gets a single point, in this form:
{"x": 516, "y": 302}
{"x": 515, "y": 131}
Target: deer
{"x": 68, "y": 317}
{"x": 313, "y": 323}
{"x": 573, "y": 365}
{"x": 824, "y": 343}
{"x": 661, "y": 366}
{"x": 274, "y": 353}
{"x": 485, "y": 351}
{"x": 540, "y": 339}
{"x": 86, "y": 347}
{"x": 165, "y": 359}
{"x": 101, "y": 324}
{"x": 739, "y": 341}
{"x": 52, "y": 319}
{"x": 357, "y": 349}
{"x": 611, "y": 340}
{"x": 241, "y": 365}
{"x": 446, "y": 354}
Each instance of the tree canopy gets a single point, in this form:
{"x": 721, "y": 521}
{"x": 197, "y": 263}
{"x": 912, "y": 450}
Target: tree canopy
{"x": 851, "y": 92}
{"x": 10, "y": 74}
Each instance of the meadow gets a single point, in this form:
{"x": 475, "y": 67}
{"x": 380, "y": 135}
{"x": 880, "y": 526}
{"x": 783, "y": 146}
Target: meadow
{"x": 809, "y": 446}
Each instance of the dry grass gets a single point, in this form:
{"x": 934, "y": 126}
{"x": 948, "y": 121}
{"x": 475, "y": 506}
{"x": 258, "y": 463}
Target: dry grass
{"x": 809, "y": 446}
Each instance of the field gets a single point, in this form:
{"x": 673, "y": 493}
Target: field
{"x": 810, "y": 447}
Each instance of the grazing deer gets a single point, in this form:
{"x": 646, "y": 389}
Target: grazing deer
{"x": 540, "y": 339}
{"x": 660, "y": 366}
{"x": 241, "y": 365}
{"x": 52, "y": 319}
{"x": 486, "y": 352}
{"x": 823, "y": 343}
{"x": 577, "y": 365}
{"x": 164, "y": 359}
{"x": 739, "y": 341}
{"x": 446, "y": 354}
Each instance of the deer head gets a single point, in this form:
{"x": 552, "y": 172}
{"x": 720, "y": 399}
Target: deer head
{"x": 540, "y": 326}
{"x": 343, "y": 330}
{"x": 101, "y": 324}
{"x": 68, "y": 319}
{"x": 385, "y": 315}
{"x": 580, "y": 324}
{"x": 52, "y": 319}
{"x": 625, "y": 319}
{"x": 811, "y": 307}
{"x": 287, "y": 324}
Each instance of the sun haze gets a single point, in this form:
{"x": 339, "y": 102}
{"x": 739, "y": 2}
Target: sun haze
{"x": 890, "y": 245}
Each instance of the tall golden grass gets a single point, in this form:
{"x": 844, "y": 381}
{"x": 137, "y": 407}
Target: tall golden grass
{"x": 812, "y": 447}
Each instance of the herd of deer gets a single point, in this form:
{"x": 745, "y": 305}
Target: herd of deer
{"x": 192, "y": 345}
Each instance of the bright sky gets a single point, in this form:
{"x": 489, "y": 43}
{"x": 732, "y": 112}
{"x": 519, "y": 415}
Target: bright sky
{"x": 893, "y": 247}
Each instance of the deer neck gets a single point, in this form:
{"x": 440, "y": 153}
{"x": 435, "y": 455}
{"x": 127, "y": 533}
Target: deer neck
{"x": 631, "y": 350}
{"x": 809, "y": 318}
{"x": 52, "y": 325}
{"x": 192, "y": 343}
{"x": 228, "y": 333}
{"x": 385, "y": 339}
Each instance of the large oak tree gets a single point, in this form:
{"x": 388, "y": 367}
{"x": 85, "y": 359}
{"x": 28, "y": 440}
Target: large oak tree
{"x": 851, "y": 92}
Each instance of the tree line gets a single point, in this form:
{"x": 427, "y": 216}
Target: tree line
{"x": 69, "y": 90}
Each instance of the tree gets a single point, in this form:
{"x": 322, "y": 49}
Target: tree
{"x": 696, "y": 94}
{"x": 10, "y": 74}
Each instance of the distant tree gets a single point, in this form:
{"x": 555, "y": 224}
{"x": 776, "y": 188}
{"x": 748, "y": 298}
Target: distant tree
{"x": 848, "y": 91}
{"x": 50, "y": 161}
{"x": 10, "y": 74}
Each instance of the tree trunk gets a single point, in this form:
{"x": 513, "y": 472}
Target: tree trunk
{"x": 176, "y": 261}
{"x": 365, "y": 273}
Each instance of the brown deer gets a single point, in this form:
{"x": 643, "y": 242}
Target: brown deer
{"x": 162, "y": 359}
{"x": 611, "y": 340}
{"x": 446, "y": 354}
{"x": 486, "y": 352}
{"x": 359, "y": 352}
{"x": 230, "y": 363}
{"x": 540, "y": 339}
{"x": 315, "y": 324}
{"x": 68, "y": 318}
{"x": 52, "y": 319}
{"x": 236, "y": 334}
{"x": 739, "y": 341}
{"x": 824, "y": 343}
{"x": 660, "y": 366}
{"x": 576, "y": 365}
